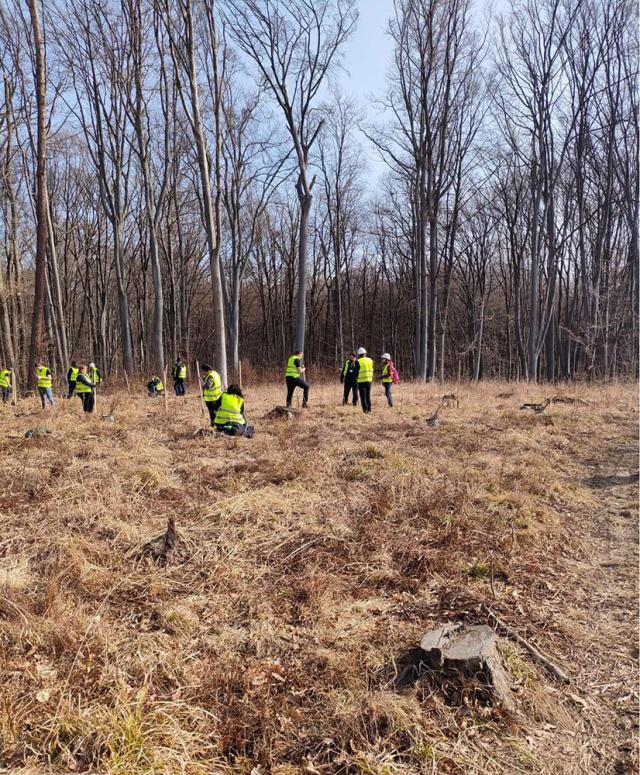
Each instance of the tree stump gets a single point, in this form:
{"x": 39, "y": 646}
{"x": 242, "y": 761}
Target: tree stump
{"x": 281, "y": 413}
{"x": 470, "y": 651}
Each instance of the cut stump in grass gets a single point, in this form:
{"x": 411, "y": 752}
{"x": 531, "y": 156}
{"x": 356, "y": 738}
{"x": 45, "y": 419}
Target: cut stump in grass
{"x": 472, "y": 652}
{"x": 159, "y": 548}
{"x": 281, "y": 413}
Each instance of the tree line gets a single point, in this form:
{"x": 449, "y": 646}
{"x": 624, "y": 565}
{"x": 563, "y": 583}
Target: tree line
{"x": 192, "y": 176}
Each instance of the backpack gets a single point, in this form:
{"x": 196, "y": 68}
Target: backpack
{"x": 395, "y": 377}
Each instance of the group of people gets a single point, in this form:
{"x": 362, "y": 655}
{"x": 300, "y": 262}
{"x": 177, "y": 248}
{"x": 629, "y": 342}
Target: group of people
{"x": 82, "y": 380}
{"x": 155, "y": 387}
{"x": 357, "y": 376}
{"x": 226, "y": 407}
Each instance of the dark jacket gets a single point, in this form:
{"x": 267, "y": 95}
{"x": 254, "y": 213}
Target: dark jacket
{"x": 350, "y": 371}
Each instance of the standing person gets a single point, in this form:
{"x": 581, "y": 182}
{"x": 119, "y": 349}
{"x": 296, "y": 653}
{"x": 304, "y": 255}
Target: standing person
{"x": 156, "y": 386}
{"x": 72, "y": 376}
{"x": 94, "y": 374}
{"x": 85, "y": 389}
{"x": 179, "y": 374}
{"x": 389, "y": 376}
{"x": 6, "y": 378}
{"x": 211, "y": 390}
{"x": 365, "y": 378}
{"x": 230, "y": 415}
{"x": 44, "y": 383}
{"x": 294, "y": 378}
{"x": 349, "y": 378}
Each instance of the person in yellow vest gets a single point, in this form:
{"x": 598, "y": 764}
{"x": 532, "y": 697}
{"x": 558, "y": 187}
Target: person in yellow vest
{"x": 365, "y": 378}
{"x": 94, "y": 374}
{"x": 294, "y": 376}
{"x": 155, "y": 386}
{"x": 389, "y": 377}
{"x": 211, "y": 390}
{"x": 230, "y": 414}
{"x": 6, "y": 379}
{"x": 179, "y": 374}
{"x": 72, "y": 375}
{"x": 44, "y": 382}
{"x": 85, "y": 389}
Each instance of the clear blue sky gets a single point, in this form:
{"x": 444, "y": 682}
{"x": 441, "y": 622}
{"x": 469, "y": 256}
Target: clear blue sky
{"x": 367, "y": 54}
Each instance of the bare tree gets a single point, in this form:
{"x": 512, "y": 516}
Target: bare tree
{"x": 293, "y": 45}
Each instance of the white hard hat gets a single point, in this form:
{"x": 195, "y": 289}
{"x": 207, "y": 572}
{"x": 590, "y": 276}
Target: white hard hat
{"x": 361, "y": 351}
{"x": 386, "y": 357}
{"x": 92, "y": 365}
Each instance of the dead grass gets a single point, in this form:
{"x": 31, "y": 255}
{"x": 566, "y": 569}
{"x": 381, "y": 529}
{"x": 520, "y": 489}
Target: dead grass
{"x": 310, "y": 560}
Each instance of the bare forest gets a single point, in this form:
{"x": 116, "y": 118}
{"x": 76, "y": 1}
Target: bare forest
{"x": 180, "y": 176}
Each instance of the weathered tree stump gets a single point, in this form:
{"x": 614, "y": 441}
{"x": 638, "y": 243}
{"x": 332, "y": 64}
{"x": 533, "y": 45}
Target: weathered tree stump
{"x": 159, "y": 548}
{"x": 537, "y": 408}
{"x": 472, "y": 652}
{"x": 281, "y": 413}
{"x": 450, "y": 399}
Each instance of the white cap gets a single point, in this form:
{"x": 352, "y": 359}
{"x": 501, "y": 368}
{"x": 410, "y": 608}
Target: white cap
{"x": 361, "y": 351}
{"x": 386, "y": 357}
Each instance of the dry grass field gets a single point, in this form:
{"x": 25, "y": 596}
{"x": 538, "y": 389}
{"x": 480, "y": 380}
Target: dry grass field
{"x": 309, "y": 562}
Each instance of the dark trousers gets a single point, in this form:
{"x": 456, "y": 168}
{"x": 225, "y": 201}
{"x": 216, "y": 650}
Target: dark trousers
{"x": 387, "y": 392}
{"x": 178, "y": 386}
{"x": 364, "y": 388}
{"x": 235, "y": 429}
{"x": 350, "y": 386}
{"x": 292, "y": 384}
{"x": 72, "y": 388}
{"x": 212, "y": 411}
{"x": 6, "y": 393}
{"x": 88, "y": 401}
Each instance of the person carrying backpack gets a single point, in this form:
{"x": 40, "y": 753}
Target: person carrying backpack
{"x": 389, "y": 376}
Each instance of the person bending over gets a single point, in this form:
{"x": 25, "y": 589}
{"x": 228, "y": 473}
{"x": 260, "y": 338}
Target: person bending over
{"x": 294, "y": 376}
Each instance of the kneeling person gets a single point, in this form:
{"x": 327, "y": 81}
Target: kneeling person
{"x": 156, "y": 386}
{"x": 230, "y": 416}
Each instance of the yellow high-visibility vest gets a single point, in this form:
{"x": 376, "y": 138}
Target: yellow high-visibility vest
{"x": 82, "y": 388}
{"x": 230, "y": 410}
{"x": 43, "y": 380}
{"x": 182, "y": 372}
{"x": 215, "y": 391}
{"x": 73, "y": 373}
{"x": 366, "y": 369}
{"x": 386, "y": 377}
{"x": 292, "y": 369}
{"x": 5, "y": 378}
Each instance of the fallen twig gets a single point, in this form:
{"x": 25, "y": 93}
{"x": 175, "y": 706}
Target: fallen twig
{"x": 535, "y": 653}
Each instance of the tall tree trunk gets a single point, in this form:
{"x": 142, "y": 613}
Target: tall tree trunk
{"x": 303, "y": 234}
{"x": 37, "y": 320}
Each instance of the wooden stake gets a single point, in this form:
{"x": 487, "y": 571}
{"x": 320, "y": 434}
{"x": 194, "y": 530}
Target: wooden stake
{"x": 240, "y": 374}
{"x": 200, "y": 388}
{"x": 166, "y": 392}
{"x": 126, "y": 379}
